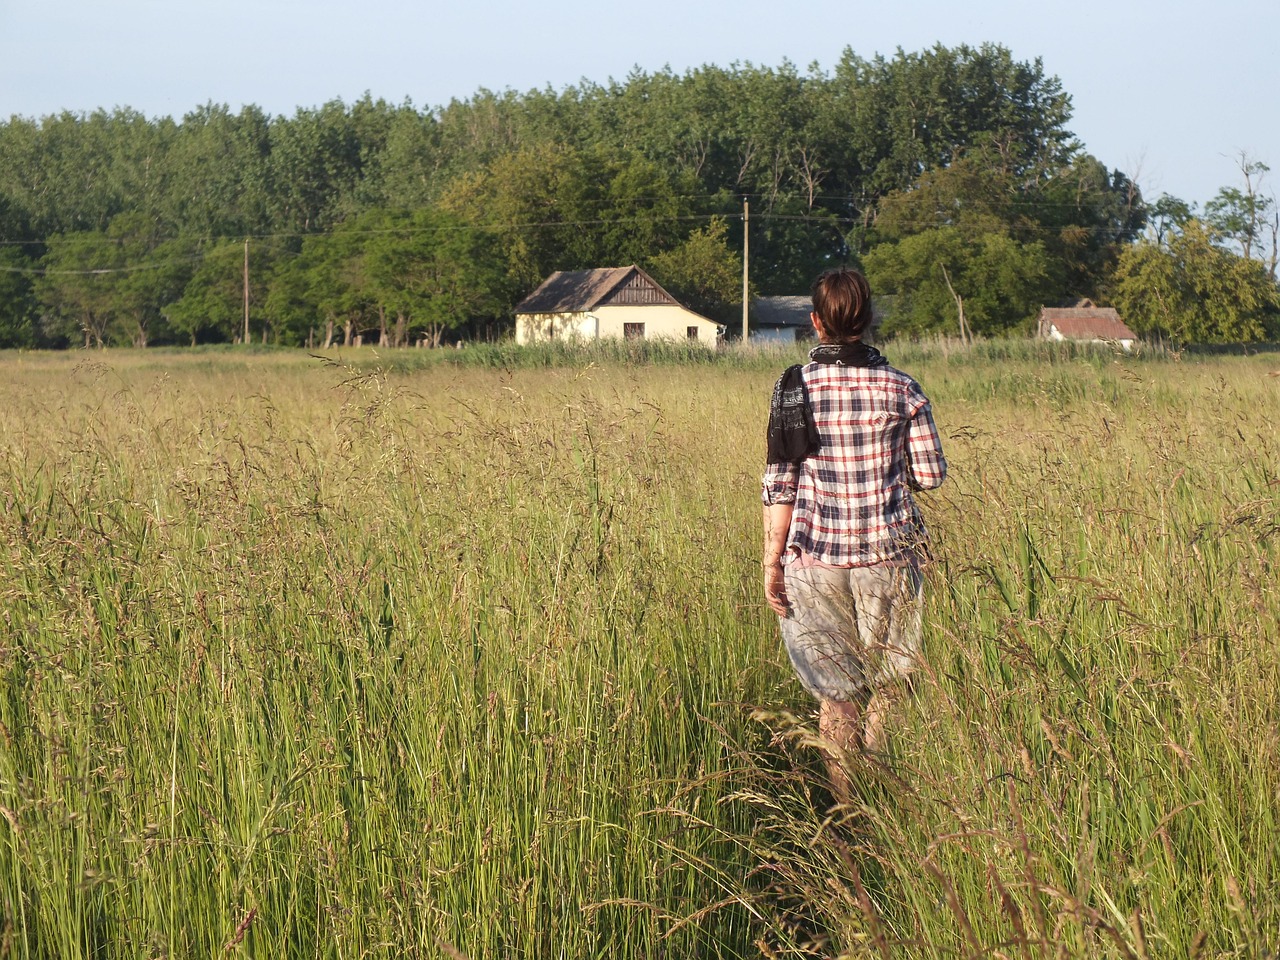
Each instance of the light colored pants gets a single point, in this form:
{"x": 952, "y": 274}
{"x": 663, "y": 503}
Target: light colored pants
{"x": 851, "y": 629}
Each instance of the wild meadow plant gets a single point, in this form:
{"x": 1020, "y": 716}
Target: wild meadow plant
{"x": 467, "y": 657}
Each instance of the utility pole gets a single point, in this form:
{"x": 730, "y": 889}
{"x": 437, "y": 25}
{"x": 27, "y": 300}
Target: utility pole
{"x": 246, "y": 291}
{"x": 746, "y": 219}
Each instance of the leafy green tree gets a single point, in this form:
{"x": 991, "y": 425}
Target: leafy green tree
{"x": 336, "y": 278}
{"x": 638, "y": 206}
{"x": 1168, "y": 215}
{"x": 703, "y": 272}
{"x": 968, "y": 195}
{"x": 421, "y": 272}
{"x": 407, "y": 171}
{"x": 293, "y": 312}
{"x": 75, "y": 172}
{"x": 1191, "y": 290}
{"x": 556, "y": 208}
{"x": 918, "y": 111}
{"x": 218, "y": 176}
{"x": 877, "y": 150}
{"x": 317, "y": 160}
{"x": 431, "y": 272}
{"x": 1246, "y": 217}
{"x": 474, "y": 133}
{"x": 1083, "y": 216}
{"x": 211, "y": 308}
{"x": 13, "y": 228}
{"x": 994, "y": 282}
{"x": 73, "y": 289}
{"x": 146, "y": 275}
{"x": 1086, "y": 216}
{"x": 17, "y": 299}
{"x": 110, "y": 286}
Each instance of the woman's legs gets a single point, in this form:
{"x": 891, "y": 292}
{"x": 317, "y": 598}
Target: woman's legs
{"x": 850, "y": 629}
{"x": 887, "y": 616}
{"x": 851, "y": 726}
{"x": 840, "y": 724}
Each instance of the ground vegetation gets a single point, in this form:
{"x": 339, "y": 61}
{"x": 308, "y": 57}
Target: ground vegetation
{"x": 435, "y": 655}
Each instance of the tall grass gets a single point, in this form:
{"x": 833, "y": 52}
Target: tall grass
{"x": 507, "y": 355}
{"x": 314, "y": 659}
{"x": 1090, "y": 763}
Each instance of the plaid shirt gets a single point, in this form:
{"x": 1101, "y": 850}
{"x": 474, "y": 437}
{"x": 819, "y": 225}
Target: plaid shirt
{"x": 853, "y": 504}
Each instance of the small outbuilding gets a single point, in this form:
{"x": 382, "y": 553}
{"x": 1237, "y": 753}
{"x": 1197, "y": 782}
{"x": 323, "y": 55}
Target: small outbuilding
{"x": 1085, "y": 321}
{"x": 610, "y": 302}
{"x": 781, "y": 319}
{"x": 787, "y": 319}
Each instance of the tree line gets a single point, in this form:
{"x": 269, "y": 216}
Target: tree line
{"x": 950, "y": 175}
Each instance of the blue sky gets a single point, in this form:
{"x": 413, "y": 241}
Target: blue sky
{"x": 1167, "y": 91}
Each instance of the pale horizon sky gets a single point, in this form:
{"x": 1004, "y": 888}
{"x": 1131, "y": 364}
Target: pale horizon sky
{"x": 1160, "y": 90}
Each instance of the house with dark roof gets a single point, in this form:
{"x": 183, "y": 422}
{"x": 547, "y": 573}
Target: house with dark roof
{"x": 1085, "y": 322}
{"x": 610, "y": 302}
{"x": 781, "y": 319}
{"x": 786, "y": 319}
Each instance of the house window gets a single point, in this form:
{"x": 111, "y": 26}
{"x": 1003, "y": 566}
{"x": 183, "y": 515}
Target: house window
{"x": 633, "y": 331}
{"x": 691, "y": 333}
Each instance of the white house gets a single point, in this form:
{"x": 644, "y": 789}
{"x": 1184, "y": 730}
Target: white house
{"x": 618, "y": 302}
{"x": 1085, "y": 322}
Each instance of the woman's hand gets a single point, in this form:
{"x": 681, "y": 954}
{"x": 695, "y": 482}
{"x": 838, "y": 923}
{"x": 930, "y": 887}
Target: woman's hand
{"x": 775, "y": 588}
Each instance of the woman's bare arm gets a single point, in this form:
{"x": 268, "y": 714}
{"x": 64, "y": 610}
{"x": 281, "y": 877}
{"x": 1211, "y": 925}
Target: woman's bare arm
{"x": 777, "y": 523}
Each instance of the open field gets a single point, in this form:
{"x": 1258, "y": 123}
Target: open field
{"x": 311, "y": 660}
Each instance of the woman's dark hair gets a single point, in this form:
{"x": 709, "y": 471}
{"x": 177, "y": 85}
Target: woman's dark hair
{"x": 842, "y": 301}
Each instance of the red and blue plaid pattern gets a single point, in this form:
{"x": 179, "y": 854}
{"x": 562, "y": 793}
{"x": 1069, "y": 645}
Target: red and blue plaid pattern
{"x": 853, "y": 504}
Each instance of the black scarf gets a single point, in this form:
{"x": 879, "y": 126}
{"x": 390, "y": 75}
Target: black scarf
{"x": 792, "y": 433}
{"x": 855, "y": 354}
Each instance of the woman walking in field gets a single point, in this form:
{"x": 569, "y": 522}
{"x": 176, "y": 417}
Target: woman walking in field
{"x": 849, "y": 438}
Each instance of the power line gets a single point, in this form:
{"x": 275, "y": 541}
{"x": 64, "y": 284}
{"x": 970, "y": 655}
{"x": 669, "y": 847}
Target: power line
{"x": 817, "y": 216}
{"x": 100, "y": 271}
{"x": 817, "y": 221}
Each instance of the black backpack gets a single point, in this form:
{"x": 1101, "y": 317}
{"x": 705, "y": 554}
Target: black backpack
{"x": 792, "y": 434}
